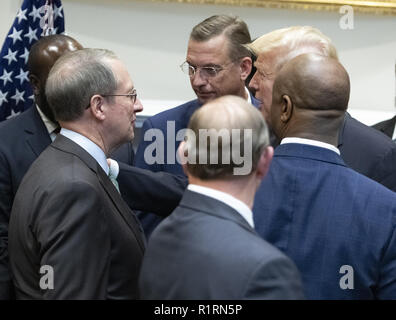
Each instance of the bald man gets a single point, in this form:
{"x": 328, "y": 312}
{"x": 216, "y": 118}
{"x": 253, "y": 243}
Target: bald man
{"x": 207, "y": 248}
{"x": 337, "y": 225}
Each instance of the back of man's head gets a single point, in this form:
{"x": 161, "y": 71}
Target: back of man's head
{"x": 55, "y": 44}
{"x": 43, "y": 55}
{"x": 234, "y": 29}
{"x": 310, "y": 97}
{"x": 225, "y": 138}
{"x": 75, "y": 78}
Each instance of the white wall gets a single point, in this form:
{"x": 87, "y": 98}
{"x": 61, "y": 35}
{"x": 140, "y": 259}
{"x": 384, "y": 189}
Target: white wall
{"x": 151, "y": 37}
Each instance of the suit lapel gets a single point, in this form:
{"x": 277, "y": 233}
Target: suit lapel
{"x": 36, "y": 133}
{"x": 128, "y": 216}
{"x": 389, "y": 127}
{"x": 341, "y": 132}
{"x": 126, "y": 213}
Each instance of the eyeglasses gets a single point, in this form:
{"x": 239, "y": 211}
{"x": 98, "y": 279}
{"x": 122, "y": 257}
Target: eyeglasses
{"x": 132, "y": 95}
{"x": 206, "y": 72}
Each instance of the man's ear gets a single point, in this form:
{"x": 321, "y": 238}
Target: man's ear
{"x": 182, "y": 155}
{"x": 286, "y": 108}
{"x": 96, "y": 105}
{"x": 246, "y": 67}
{"x": 265, "y": 162}
{"x": 35, "y": 83}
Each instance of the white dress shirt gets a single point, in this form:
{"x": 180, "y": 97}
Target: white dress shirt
{"x": 310, "y": 142}
{"x": 92, "y": 148}
{"x": 51, "y": 126}
{"x": 229, "y": 200}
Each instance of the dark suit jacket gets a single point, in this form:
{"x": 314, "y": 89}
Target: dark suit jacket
{"x": 207, "y": 250}
{"x": 23, "y": 139}
{"x": 324, "y": 215}
{"x": 368, "y": 151}
{"x": 181, "y": 116}
{"x": 68, "y": 215}
{"x": 387, "y": 127}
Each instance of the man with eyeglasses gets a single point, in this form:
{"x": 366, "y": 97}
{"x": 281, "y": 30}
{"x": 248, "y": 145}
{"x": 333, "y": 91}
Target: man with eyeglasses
{"x": 71, "y": 234}
{"x": 217, "y": 64}
{"x": 32, "y": 131}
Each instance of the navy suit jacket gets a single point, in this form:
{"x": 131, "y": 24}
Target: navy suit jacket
{"x": 324, "y": 215}
{"x": 181, "y": 116}
{"x": 207, "y": 250}
{"x": 368, "y": 151}
{"x": 24, "y": 138}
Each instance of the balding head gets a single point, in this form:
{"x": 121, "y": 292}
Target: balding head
{"x": 42, "y": 56}
{"x": 225, "y": 136}
{"x": 310, "y": 97}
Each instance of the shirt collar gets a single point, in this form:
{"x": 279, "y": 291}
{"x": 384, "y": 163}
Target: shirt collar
{"x": 92, "y": 148}
{"x": 229, "y": 200}
{"x": 311, "y": 142}
{"x": 249, "y": 99}
{"x": 394, "y": 134}
{"x": 51, "y": 126}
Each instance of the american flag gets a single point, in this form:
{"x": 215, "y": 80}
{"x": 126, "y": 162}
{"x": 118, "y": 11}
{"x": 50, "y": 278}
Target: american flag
{"x": 34, "y": 19}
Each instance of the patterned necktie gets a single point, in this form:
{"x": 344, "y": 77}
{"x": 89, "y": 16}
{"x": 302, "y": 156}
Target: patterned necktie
{"x": 114, "y": 181}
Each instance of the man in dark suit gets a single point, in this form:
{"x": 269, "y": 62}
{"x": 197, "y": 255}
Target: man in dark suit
{"x": 338, "y": 226}
{"x": 71, "y": 236}
{"x": 217, "y": 64}
{"x": 27, "y": 135}
{"x": 30, "y": 133}
{"x": 207, "y": 248}
{"x": 387, "y": 127}
{"x": 362, "y": 148}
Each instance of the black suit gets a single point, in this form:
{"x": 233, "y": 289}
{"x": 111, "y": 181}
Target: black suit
{"x": 387, "y": 127}
{"x": 368, "y": 152}
{"x": 68, "y": 215}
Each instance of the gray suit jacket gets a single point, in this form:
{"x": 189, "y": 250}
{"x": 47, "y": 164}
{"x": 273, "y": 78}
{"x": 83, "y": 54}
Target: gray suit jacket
{"x": 68, "y": 215}
{"x": 207, "y": 250}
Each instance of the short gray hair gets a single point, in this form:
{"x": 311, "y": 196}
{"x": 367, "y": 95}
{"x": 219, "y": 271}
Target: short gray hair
{"x": 75, "y": 78}
{"x": 225, "y": 113}
{"x": 233, "y": 27}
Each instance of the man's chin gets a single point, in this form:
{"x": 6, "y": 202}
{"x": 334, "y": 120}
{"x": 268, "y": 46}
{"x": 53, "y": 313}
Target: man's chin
{"x": 206, "y": 97}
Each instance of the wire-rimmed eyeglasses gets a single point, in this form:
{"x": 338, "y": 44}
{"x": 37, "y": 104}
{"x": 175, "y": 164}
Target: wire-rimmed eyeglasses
{"x": 132, "y": 95}
{"x": 206, "y": 72}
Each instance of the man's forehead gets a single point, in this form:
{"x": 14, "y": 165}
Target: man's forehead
{"x": 208, "y": 52}
{"x": 121, "y": 73}
{"x": 265, "y": 61}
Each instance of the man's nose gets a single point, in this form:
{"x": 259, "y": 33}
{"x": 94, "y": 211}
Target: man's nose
{"x": 197, "y": 79}
{"x": 138, "y": 107}
{"x": 253, "y": 85}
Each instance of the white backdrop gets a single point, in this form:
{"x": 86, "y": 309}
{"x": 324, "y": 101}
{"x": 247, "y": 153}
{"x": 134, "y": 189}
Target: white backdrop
{"x": 151, "y": 37}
